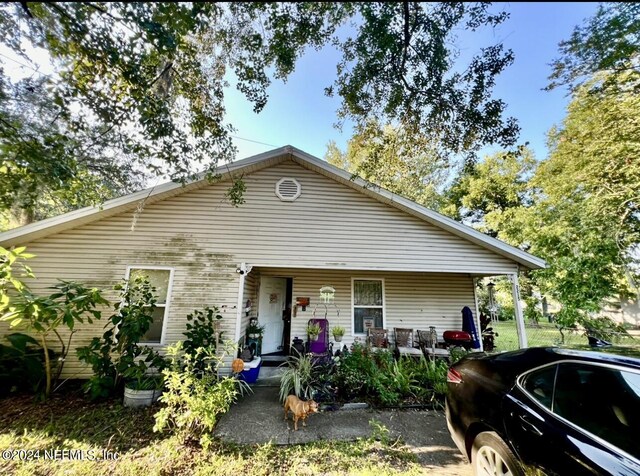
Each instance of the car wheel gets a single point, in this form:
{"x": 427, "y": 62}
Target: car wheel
{"x": 490, "y": 456}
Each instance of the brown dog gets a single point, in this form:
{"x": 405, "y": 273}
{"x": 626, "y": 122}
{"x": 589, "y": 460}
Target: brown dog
{"x": 299, "y": 409}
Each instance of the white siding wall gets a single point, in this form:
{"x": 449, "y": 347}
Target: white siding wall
{"x": 412, "y": 300}
{"x": 330, "y": 225}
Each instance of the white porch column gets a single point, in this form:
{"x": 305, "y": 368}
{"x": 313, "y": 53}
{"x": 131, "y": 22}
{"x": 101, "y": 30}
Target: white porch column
{"x": 478, "y": 326}
{"x": 515, "y": 288}
{"x": 242, "y": 270}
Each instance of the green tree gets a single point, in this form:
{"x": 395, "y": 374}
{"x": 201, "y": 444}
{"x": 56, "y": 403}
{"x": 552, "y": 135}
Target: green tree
{"x": 44, "y": 170}
{"x": 584, "y": 218}
{"x": 608, "y": 42}
{"x": 485, "y": 194}
{"x": 395, "y": 160}
{"x": 142, "y": 83}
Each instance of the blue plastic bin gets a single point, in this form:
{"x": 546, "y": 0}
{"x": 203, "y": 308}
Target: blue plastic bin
{"x": 251, "y": 370}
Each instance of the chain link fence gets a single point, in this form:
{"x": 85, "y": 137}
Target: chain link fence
{"x": 545, "y": 333}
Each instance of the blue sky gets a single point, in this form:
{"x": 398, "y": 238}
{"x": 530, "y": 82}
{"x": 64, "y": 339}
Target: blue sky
{"x": 299, "y": 114}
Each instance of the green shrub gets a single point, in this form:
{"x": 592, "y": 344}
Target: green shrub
{"x": 307, "y": 377}
{"x": 431, "y": 378}
{"x": 22, "y": 364}
{"x": 70, "y": 304}
{"x": 297, "y": 377}
{"x": 379, "y": 378}
{"x": 457, "y": 353}
{"x": 194, "y": 400}
{"x": 201, "y": 333}
{"x": 117, "y": 357}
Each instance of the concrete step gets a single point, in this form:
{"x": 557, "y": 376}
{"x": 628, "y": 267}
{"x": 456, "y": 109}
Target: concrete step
{"x": 269, "y": 377}
{"x": 266, "y": 372}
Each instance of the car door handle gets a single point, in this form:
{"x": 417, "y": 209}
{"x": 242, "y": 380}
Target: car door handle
{"x": 528, "y": 425}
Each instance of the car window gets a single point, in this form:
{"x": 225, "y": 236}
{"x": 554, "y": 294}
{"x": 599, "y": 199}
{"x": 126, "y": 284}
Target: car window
{"x": 539, "y": 384}
{"x": 602, "y": 400}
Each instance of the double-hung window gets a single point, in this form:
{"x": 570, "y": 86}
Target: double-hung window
{"x": 160, "y": 279}
{"x": 368, "y": 304}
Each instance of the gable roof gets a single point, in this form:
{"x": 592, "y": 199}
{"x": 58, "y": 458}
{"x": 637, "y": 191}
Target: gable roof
{"x": 154, "y": 194}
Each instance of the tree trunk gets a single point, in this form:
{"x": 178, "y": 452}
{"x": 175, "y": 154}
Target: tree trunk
{"x": 47, "y": 366}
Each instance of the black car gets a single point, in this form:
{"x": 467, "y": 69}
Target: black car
{"x": 552, "y": 410}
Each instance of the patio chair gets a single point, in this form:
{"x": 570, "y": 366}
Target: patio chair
{"x": 429, "y": 346}
{"x": 403, "y": 339}
{"x": 377, "y": 338}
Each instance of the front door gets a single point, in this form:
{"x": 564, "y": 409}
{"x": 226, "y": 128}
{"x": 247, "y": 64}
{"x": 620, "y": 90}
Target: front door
{"x": 271, "y": 303}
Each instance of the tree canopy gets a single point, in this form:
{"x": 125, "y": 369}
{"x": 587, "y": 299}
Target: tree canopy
{"x": 391, "y": 158}
{"x": 577, "y": 209}
{"x": 608, "y": 42}
{"x": 484, "y": 194}
{"x": 139, "y": 87}
{"x": 587, "y": 218}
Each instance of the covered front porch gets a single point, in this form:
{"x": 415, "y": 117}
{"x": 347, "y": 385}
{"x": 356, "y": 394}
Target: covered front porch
{"x": 284, "y": 300}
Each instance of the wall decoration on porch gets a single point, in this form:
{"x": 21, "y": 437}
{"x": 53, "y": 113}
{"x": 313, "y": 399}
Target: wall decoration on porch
{"x": 368, "y": 322}
{"x": 273, "y": 297}
{"x": 303, "y": 302}
{"x": 327, "y": 294}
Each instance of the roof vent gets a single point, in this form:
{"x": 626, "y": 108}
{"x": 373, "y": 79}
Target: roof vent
{"x": 288, "y": 189}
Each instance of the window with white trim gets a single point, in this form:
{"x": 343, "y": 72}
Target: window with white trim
{"x": 368, "y": 304}
{"x": 160, "y": 279}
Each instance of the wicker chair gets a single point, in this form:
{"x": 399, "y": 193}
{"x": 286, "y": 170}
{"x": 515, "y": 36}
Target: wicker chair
{"x": 429, "y": 347}
{"x": 377, "y": 338}
{"x": 404, "y": 343}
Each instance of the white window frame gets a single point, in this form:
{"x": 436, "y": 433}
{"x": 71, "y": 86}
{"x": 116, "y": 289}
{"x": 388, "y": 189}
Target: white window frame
{"x": 167, "y": 303}
{"x": 384, "y": 303}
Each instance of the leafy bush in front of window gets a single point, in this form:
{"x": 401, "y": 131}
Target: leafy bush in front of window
{"x": 356, "y": 372}
{"x": 117, "y": 357}
{"x": 194, "y": 400}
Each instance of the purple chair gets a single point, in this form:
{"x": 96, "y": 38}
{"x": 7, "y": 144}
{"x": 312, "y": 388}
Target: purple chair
{"x": 321, "y": 344}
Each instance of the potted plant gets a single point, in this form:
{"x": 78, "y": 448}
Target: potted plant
{"x": 338, "y": 332}
{"x": 255, "y": 330}
{"x": 143, "y": 390}
{"x": 313, "y": 331}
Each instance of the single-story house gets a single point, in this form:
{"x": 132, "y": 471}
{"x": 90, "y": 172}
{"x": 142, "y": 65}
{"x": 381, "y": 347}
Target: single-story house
{"x": 305, "y": 224}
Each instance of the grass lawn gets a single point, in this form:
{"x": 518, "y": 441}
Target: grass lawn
{"x": 546, "y": 334}
{"x": 69, "y": 422}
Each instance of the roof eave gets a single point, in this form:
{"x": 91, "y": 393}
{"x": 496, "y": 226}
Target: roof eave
{"x": 82, "y": 216}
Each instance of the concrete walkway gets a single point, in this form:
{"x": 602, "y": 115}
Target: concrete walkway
{"x": 259, "y": 418}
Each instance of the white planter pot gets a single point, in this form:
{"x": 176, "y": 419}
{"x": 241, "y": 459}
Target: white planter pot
{"x": 338, "y": 338}
{"x": 140, "y": 398}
